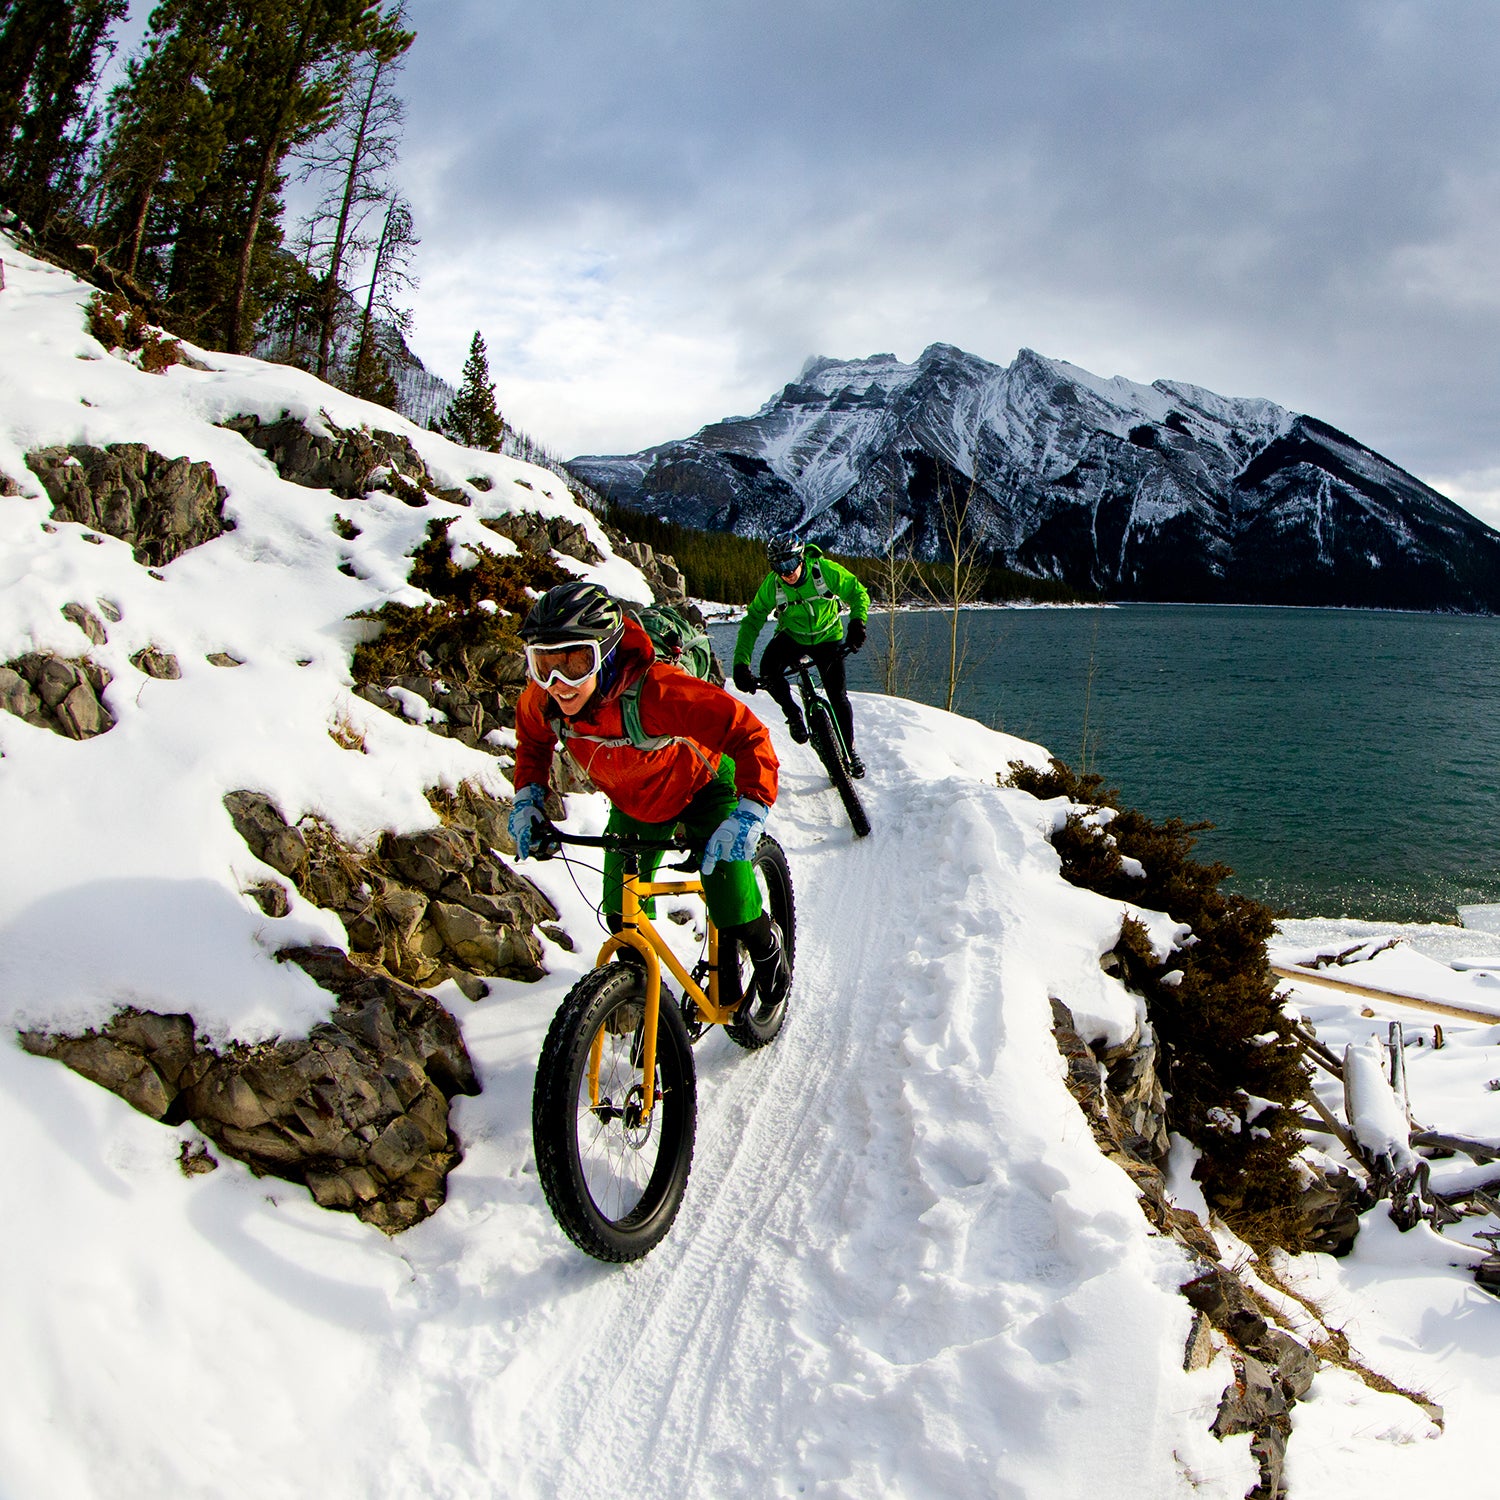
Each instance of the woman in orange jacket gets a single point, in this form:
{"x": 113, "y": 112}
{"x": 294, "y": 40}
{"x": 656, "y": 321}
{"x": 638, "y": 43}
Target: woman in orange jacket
{"x": 665, "y": 747}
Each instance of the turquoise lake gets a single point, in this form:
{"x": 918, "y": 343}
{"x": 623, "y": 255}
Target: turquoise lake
{"x": 1349, "y": 759}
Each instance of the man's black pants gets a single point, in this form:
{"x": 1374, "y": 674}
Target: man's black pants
{"x": 778, "y": 656}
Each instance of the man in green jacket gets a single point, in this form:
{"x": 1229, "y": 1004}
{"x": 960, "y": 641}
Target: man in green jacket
{"x": 804, "y": 590}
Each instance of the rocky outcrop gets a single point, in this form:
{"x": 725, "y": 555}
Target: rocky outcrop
{"x": 667, "y": 580}
{"x": 424, "y": 907}
{"x": 539, "y": 534}
{"x": 357, "y": 1110}
{"x": 161, "y": 506}
{"x": 1119, "y": 1092}
{"x": 351, "y": 462}
{"x": 58, "y": 693}
{"x": 152, "y": 661}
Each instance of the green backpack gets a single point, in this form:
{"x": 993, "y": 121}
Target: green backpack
{"x": 677, "y": 641}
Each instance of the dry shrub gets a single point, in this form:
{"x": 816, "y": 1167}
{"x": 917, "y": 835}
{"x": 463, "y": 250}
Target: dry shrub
{"x": 477, "y": 648}
{"x": 117, "y": 324}
{"x": 1232, "y": 1072}
{"x": 503, "y": 581}
{"x": 346, "y": 735}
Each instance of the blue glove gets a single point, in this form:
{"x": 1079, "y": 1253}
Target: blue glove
{"x": 525, "y": 817}
{"x": 737, "y": 836}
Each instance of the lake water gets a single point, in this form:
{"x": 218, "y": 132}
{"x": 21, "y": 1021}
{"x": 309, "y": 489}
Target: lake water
{"x": 1349, "y": 759}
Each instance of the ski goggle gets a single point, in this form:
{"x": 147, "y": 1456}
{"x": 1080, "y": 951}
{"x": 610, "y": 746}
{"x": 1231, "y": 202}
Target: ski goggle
{"x": 569, "y": 662}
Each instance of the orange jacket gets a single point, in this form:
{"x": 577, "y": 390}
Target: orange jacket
{"x": 652, "y": 786}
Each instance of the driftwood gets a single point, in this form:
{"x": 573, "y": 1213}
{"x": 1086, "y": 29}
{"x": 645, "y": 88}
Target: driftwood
{"x": 1359, "y": 953}
{"x": 1312, "y": 1048}
{"x": 1436, "y": 1141}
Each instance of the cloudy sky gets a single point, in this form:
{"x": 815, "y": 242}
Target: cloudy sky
{"x": 657, "y": 210}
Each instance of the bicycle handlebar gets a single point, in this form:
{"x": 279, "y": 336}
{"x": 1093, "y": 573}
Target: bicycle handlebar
{"x": 803, "y": 660}
{"x": 549, "y": 838}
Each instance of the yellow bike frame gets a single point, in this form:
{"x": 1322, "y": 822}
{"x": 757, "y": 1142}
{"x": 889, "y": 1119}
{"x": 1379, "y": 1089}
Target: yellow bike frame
{"x": 637, "y": 932}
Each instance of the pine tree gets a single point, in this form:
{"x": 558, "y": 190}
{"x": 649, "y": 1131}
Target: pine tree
{"x": 167, "y": 135}
{"x": 294, "y": 50}
{"x": 50, "y": 52}
{"x": 194, "y": 173}
{"x": 472, "y": 417}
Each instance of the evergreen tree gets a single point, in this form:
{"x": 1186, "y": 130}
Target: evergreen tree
{"x": 472, "y": 417}
{"x": 50, "y": 53}
{"x": 293, "y": 51}
{"x": 168, "y": 130}
{"x": 205, "y": 122}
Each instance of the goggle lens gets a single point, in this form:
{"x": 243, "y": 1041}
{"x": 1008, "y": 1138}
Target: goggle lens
{"x": 571, "y": 664}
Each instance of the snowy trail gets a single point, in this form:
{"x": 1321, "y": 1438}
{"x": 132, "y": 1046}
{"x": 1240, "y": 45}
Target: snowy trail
{"x": 879, "y": 1281}
{"x": 902, "y": 1267}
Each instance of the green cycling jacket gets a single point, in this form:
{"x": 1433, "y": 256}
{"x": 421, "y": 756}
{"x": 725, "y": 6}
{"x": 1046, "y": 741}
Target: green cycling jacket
{"x": 804, "y": 611}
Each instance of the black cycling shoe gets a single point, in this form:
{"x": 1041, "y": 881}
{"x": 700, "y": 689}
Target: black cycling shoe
{"x": 797, "y": 725}
{"x": 773, "y": 977}
{"x": 856, "y": 765}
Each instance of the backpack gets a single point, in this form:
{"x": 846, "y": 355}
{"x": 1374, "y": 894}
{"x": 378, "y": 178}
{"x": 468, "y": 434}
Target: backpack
{"x": 677, "y": 641}
{"x": 812, "y": 560}
{"x": 676, "y": 638}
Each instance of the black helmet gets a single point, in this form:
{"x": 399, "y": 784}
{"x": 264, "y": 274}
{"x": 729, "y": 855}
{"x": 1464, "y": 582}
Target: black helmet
{"x": 575, "y": 611}
{"x": 785, "y": 553}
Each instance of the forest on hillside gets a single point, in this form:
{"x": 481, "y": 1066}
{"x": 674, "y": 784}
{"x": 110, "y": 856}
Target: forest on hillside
{"x": 721, "y": 566}
{"x": 176, "y": 177}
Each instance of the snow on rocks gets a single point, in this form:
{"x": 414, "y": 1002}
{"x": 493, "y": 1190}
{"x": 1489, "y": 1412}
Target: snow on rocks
{"x": 147, "y": 541}
{"x": 903, "y": 1266}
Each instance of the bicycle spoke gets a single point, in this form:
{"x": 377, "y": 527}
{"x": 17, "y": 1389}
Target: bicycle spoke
{"x": 617, "y": 1156}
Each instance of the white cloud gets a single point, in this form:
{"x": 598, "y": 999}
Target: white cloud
{"x": 657, "y": 215}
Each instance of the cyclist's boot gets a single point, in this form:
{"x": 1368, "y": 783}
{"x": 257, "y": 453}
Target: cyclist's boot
{"x": 797, "y": 725}
{"x": 856, "y": 765}
{"x": 773, "y": 974}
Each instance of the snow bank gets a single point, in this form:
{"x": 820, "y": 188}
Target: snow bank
{"x": 902, "y": 1266}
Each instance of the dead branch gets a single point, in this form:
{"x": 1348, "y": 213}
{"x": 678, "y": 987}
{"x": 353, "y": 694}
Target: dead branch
{"x": 1482, "y": 1152}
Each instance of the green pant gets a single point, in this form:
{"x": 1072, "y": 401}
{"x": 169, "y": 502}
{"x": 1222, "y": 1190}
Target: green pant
{"x": 730, "y": 892}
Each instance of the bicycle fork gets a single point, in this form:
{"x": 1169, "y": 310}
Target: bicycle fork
{"x": 639, "y": 935}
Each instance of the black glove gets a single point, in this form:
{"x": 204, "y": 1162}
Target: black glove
{"x": 744, "y": 678}
{"x": 854, "y": 636}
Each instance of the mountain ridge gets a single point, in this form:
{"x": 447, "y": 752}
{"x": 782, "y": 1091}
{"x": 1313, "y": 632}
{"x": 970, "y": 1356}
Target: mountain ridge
{"x": 1167, "y": 491}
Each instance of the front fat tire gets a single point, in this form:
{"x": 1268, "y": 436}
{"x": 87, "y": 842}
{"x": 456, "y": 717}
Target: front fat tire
{"x": 613, "y": 1188}
{"x": 774, "y": 877}
{"x": 825, "y": 741}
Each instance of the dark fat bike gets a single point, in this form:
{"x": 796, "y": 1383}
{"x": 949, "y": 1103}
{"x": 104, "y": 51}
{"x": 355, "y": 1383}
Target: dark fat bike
{"x": 614, "y": 1110}
{"x": 826, "y": 739}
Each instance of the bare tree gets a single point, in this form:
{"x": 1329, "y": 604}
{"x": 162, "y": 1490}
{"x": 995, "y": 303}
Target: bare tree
{"x": 355, "y": 158}
{"x": 390, "y": 274}
{"x": 958, "y": 579}
{"x": 893, "y": 588}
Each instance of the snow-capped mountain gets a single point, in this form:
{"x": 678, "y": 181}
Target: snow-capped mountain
{"x": 1161, "y": 491}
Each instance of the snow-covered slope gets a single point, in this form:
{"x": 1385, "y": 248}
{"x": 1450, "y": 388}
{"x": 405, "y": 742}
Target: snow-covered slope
{"x": 1162, "y": 491}
{"x": 902, "y": 1267}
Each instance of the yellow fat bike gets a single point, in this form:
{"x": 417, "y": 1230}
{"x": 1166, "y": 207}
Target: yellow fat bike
{"x": 614, "y": 1109}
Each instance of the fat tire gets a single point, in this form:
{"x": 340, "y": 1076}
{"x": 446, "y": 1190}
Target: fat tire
{"x": 561, "y": 1074}
{"x": 774, "y": 875}
{"x": 826, "y": 743}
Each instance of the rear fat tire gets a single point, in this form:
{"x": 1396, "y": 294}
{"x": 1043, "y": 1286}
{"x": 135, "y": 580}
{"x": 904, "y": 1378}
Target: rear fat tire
{"x": 825, "y": 742}
{"x": 774, "y": 877}
{"x": 613, "y": 1187}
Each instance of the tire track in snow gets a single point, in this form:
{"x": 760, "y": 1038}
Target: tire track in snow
{"x": 898, "y": 1237}
{"x": 706, "y": 1318}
